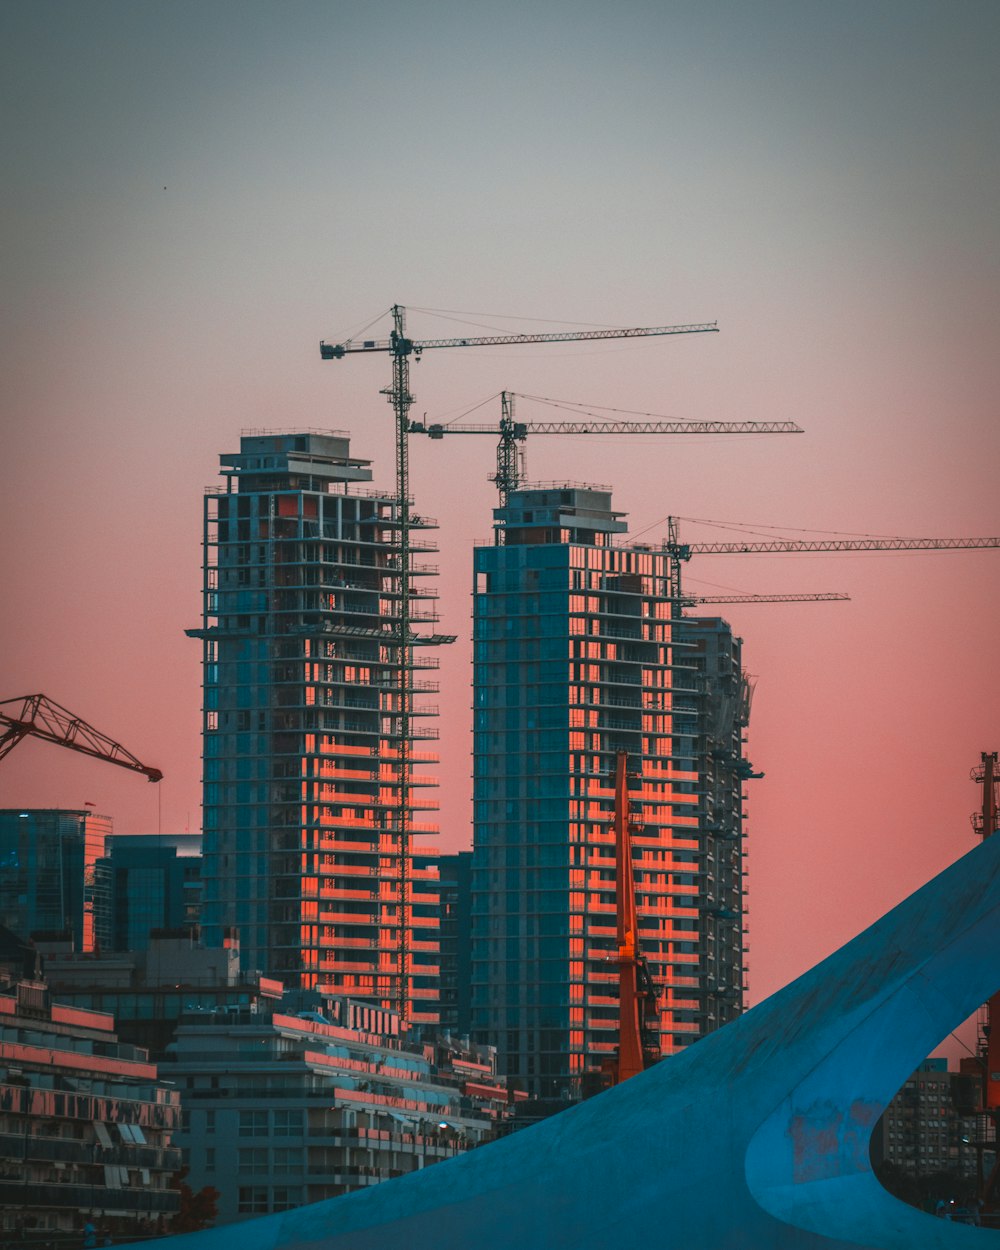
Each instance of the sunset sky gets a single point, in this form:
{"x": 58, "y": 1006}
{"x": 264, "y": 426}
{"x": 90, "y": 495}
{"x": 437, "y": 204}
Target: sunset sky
{"x": 196, "y": 194}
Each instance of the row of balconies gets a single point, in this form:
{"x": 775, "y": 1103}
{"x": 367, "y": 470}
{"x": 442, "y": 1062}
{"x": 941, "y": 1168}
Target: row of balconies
{"x": 16, "y": 1147}
{"x": 140, "y": 1198}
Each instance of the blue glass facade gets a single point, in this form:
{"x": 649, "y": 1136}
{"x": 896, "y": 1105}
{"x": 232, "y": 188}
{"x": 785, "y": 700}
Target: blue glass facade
{"x": 143, "y": 883}
{"x": 47, "y": 859}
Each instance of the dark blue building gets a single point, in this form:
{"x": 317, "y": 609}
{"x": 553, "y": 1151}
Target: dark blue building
{"x": 146, "y": 882}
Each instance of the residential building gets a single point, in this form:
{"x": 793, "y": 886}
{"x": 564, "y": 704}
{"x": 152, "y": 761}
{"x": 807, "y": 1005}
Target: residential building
{"x": 85, "y": 1126}
{"x": 312, "y": 723}
{"x": 713, "y": 658}
{"x": 295, "y": 1102}
{"x": 144, "y": 883}
{"x": 932, "y": 1126}
{"x": 577, "y": 657}
{"x": 47, "y": 860}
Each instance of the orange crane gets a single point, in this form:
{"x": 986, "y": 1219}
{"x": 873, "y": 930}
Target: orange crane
{"x": 401, "y": 348}
{"x": 511, "y": 467}
{"x": 638, "y": 1047}
{"x": 35, "y": 716}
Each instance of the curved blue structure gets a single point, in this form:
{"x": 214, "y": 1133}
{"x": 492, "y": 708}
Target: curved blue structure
{"x": 756, "y": 1138}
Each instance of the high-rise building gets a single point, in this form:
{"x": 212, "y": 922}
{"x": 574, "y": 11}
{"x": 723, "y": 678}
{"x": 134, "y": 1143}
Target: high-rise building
{"x": 311, "y": 716}
{"x": 578, "y": 657}
{"x": 47, "y": 860}
{"x": 723, "y": 693}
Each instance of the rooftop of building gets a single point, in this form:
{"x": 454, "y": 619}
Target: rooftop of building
{"x": 36, "y": 813}
{"x": 305, "y": 459}
{"x": 548, "y": 512}
{"x": 186, "y": 845}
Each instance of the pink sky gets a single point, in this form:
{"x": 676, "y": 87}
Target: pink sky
{"x": 197, "y": 196}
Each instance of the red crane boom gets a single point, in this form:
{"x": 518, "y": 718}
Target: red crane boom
{"x": 35, "y": 716}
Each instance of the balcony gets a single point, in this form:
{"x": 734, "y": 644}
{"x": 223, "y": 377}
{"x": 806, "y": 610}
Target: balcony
{"x": 72, "y": 1197}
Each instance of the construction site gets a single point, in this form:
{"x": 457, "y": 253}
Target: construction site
{"x": 598, "y": 923}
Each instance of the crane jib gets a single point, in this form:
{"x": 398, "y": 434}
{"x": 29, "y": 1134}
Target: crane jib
{"x": 844, "y": 544}
{"x": 405, "y": 346}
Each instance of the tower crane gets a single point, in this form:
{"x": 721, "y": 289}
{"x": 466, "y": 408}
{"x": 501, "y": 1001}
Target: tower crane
{"x": 35, "y": 716}
{"x": 511, "y": 468}
{"x": 679, "y": 552}
{"x": 400, "y": 347}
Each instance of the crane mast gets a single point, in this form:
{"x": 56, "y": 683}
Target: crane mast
{"x": 401, "y": 399}
{"x": 35, "y": 716}
{"x": 637, "y": 997}
{"x": 401, "y": 348}
{"x": 511, "y": 465}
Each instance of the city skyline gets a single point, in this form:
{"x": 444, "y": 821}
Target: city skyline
{"x": 197, "y": 201}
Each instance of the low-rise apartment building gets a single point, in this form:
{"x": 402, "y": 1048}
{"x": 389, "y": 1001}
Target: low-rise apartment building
{"x": 284, "y": 1107}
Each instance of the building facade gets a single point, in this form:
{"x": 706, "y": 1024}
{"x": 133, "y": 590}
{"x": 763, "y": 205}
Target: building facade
{"x": 47, "y": 861}
{"x": 144, "y": 883}
{"x": 285, "y": 1106}
{"x": 714, "y": 660}
{"x": 313, "y": 729}
{"x": 85, "y": 1126}
{"x": 455, "y": 935}
{"x": 932, "y": 1128}
{"x": 576, "y": 657}
{"x": 149, "y": 991}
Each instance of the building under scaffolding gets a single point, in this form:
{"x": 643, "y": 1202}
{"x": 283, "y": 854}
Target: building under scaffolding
{"x": 312, "y": 716}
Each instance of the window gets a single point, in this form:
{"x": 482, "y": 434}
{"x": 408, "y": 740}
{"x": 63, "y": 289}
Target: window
{"x": 287, "y": 1161}
{"x": 252, "y": 1200}
{"x": 287, "y": 1123}
{"x": 253, "y": 1123}
{"x": 286, "y": 1198}
{"x": 253, "y": 1160}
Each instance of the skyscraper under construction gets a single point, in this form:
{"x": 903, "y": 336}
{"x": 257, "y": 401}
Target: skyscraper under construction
{"x": 312, "y": 719}
{"x": 579, "y": 655}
